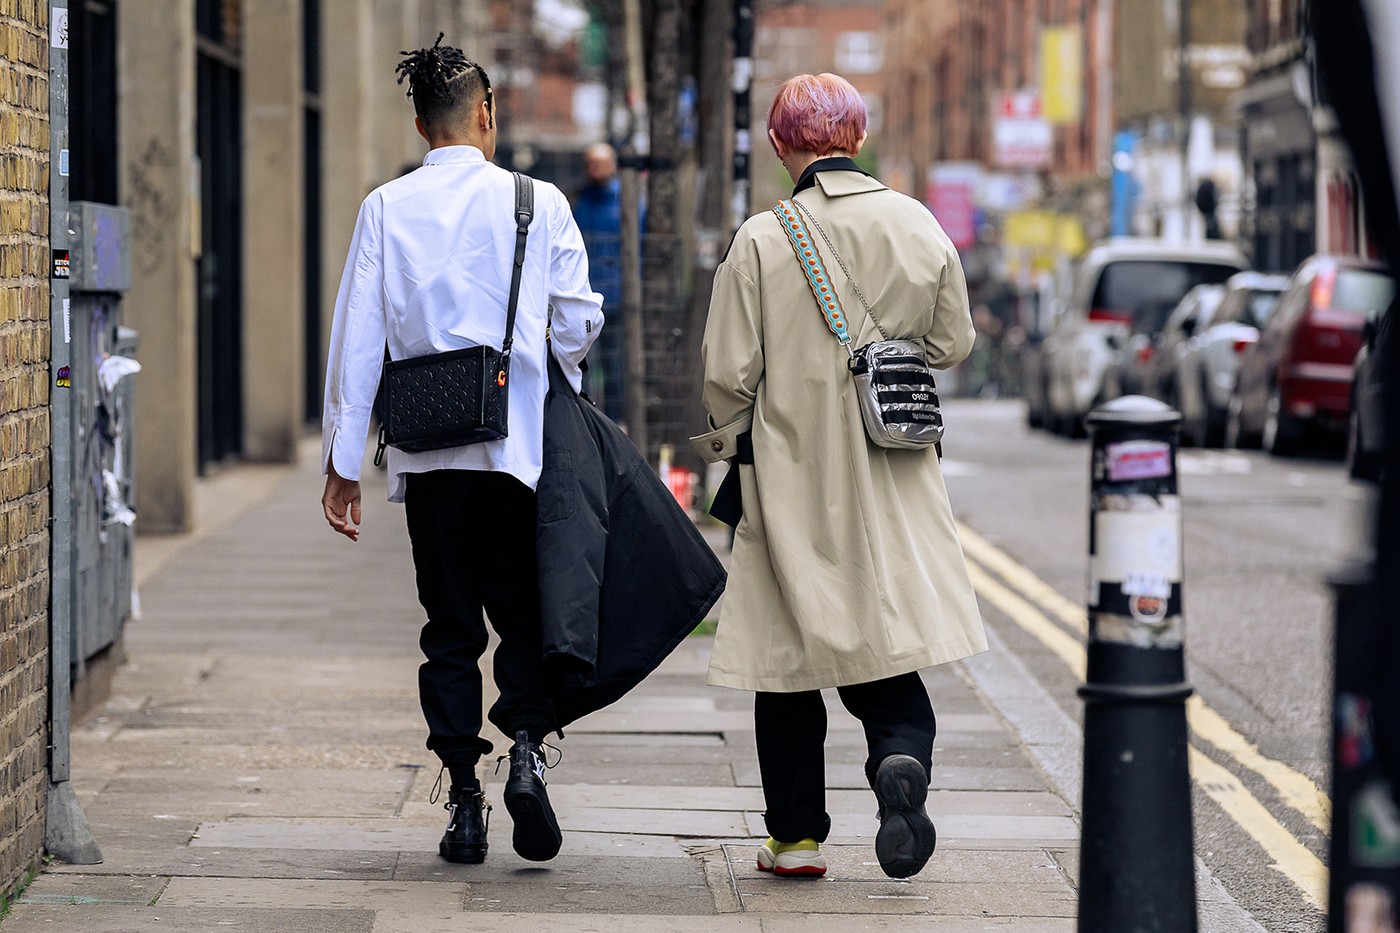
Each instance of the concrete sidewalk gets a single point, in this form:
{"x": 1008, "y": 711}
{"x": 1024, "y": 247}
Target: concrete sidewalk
{"x": 260, "y": 766}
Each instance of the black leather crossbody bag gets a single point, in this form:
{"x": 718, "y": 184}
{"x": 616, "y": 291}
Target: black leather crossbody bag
{"x": 457, "y": 397}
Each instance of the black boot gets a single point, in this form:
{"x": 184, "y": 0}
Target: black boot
{"x": 537, "y": 835}
{"x": 465, "y": 839}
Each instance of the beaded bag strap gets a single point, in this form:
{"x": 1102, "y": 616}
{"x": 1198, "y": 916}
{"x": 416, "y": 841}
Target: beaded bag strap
{"x": 810, "y": 259}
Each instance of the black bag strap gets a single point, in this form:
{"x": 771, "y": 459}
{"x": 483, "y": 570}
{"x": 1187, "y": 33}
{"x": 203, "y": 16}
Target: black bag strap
{"x": 524, "y": 213}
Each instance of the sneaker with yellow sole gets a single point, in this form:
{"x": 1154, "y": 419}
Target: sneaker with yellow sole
{"x": 792, "y": 859}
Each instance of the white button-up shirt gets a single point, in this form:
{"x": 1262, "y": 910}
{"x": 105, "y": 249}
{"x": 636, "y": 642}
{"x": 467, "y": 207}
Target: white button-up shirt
{"x": 429, "y": 270}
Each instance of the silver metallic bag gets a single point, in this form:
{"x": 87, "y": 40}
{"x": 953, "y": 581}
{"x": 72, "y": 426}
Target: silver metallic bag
{"x": 894, "y": 383}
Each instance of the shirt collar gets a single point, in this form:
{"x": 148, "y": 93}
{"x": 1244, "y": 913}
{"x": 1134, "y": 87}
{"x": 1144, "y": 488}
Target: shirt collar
{"x": 443, "y": 155}
{"x": 829, "y": 164}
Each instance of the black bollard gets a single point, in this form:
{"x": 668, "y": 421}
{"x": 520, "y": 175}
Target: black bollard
{"x": 1364, "y": 867}
{"x": 1137, "y": 864}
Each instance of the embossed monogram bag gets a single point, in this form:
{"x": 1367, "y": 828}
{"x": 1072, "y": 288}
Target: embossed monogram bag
{"x": 457, "y": 397}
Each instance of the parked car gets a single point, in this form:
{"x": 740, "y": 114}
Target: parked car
{"x": 1207, "y": 365}
{"x": 1366, "y": 426}
{"x": 1146, "y": 365}
{"x": 1297, "y": 378}
{"x": 1117, "y": 283}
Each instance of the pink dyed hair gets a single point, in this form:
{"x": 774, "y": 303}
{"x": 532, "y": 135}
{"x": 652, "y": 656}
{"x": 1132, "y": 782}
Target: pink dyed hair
{"x": 818, "y": 113}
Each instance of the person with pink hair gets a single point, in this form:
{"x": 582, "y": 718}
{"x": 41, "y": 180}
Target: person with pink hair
{"x": 847, "y": 571}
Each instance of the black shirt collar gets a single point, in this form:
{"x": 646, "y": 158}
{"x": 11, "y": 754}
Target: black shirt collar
{"x": 828, "y": 164}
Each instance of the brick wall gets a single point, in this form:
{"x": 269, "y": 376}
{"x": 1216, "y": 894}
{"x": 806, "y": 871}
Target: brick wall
{"x": 24, "y": 433}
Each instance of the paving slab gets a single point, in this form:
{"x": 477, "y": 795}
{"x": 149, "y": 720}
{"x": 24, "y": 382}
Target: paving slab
{"x": 124, "y": 918}
{"x": 806, "y": 923}
{"x": 312, "y": 894}
{"x": 76, "y": 888}
{"x": 503, "y": 866}
{"x": 704, "y": 824}
{"x": 599, "y": 896}
{"x": 238, "y": 863}
{"x": 531, "y": 922}
{"x": 403, "y": 836}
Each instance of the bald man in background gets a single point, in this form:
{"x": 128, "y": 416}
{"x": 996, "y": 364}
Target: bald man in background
{"x": 598, "y": 212}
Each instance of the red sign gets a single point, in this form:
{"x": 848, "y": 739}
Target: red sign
{"x": 1021, "y": 136}
{"x": 952, "y": 196}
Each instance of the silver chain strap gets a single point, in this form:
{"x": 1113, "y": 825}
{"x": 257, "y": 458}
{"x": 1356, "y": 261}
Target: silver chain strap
{"x": 840, "y": 262}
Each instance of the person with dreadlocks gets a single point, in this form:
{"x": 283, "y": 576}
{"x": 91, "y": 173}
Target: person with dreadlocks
{"x": 429, "y": 270}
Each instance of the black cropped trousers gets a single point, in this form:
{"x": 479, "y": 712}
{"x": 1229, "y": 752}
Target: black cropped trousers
{"x": 791, "y": 734}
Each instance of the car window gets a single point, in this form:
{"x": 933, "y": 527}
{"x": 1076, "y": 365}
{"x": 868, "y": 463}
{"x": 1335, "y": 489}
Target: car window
{"x": 1145, "y": 291}
{"x": 1290, "y": 306}
{"x": 1255, "y": 307}
{"x": 1362, "y": 291}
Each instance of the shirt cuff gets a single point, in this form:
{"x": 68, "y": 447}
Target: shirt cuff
{"x": 722, "y": 443}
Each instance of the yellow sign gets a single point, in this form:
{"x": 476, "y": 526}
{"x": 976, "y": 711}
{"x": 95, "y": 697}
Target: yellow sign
{"x": 1062, "y": 74}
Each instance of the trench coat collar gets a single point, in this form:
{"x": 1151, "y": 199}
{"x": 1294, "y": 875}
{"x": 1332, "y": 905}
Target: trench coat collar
{"x": 837, "y": 175}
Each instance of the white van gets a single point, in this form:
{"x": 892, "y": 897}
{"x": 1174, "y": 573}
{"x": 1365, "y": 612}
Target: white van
{"x": 1117, "y": 284}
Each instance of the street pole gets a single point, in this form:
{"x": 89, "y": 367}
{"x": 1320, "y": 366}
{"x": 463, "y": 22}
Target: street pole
{"x": 743, "y": 115}
{"x": 1137, "y": 865}
{"x": 66, "y": 832}
{"x": 634, "y": 155}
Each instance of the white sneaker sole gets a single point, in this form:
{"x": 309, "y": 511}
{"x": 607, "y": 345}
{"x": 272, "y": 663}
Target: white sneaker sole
{"x": 792, "y": 864}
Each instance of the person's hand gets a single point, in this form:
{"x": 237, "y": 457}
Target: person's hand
{"x": 341, "y": 503}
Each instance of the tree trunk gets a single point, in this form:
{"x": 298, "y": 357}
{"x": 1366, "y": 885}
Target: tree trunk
{"x": 714, "y": 23}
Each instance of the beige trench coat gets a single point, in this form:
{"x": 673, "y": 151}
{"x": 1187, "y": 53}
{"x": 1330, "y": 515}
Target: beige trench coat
{"x": 846, "y": 566}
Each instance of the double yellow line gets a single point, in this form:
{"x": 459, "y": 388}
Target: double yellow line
{"x": 1031, "y": 603}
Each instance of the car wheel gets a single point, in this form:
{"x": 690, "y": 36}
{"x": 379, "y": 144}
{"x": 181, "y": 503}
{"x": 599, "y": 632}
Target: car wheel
{"x": 1280, "y": 436}
{"x": 1212, "y": 420}
{"x": 1235, "y": 434}
{"x": 1192, "y": 431}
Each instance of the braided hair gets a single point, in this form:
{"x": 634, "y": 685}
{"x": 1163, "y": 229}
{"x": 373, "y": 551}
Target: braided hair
{"x": 443, "y": 82}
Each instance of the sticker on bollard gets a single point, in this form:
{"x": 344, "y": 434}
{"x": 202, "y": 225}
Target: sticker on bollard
{"x": 1132, "y": 460}
{"x": 1135, "y": 570}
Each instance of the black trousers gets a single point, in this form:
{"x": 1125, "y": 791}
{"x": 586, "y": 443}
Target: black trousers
{"x": 791, "y": 732}
{"x": 473, "y": 536}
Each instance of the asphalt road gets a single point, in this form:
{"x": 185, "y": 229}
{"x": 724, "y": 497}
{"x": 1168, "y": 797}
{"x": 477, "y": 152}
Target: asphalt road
{"x": 1261, "y": 537}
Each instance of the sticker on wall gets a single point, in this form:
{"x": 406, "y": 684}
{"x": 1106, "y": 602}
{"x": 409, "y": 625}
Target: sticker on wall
{"x": 58, "y": 27}
{"x": 67, "y": 329}
{"x": 63, "y": 162}
{"x": 60, "y": 263}
{"x": 64, "y": 379}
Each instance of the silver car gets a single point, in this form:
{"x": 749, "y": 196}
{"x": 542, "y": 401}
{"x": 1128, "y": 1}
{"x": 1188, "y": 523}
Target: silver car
{"x": 1208, "y": 364}
{"x": 1118, "y": 283}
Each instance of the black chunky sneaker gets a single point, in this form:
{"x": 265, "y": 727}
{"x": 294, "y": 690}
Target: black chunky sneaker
{"x": 536, "y": 835}
{"x": 906, "y": 838}
{"x": 465, "y": 839}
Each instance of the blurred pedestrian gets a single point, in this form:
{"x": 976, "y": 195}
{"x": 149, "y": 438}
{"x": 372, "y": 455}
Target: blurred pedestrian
{"x": 429, "y": 271}
{"x": 847, "y": 571}
{"x": 598, "y": 211}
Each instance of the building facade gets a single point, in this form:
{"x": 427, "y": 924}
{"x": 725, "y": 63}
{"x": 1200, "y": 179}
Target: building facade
{"x": 949, "y": 65}
{"x": 841, "y": 36}
{"x": 1181, "y": 65}
{"x": 24, "y": 435}
{"x": 1278, "y": 138}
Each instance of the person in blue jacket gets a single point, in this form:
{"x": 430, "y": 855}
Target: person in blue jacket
{"x": 598, "y": 213}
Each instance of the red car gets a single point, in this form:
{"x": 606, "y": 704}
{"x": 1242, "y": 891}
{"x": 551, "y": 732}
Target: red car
{"x": 1296, "y": 380}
